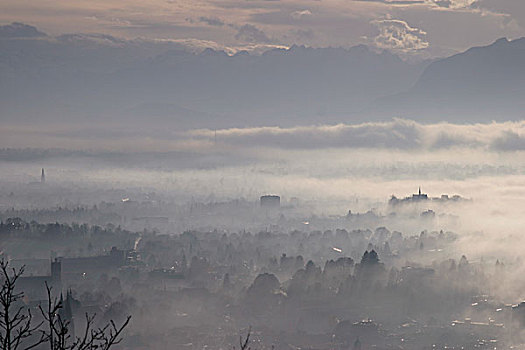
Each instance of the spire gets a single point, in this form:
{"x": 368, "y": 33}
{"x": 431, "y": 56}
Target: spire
{"x": 66, "y": 312}
{"x": 43, "y": 176}
{"x": 420, "y": 190}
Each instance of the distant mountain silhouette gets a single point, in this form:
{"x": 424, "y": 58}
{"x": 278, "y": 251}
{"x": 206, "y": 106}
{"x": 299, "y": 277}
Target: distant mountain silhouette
{"x": 88, "y": 78}
{"x": 481, "y": 84}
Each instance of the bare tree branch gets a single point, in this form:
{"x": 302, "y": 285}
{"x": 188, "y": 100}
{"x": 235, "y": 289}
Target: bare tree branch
{"x": 244, "y": 345}
{"x": 16, "y": 328}
{"x": 59, "y": 337}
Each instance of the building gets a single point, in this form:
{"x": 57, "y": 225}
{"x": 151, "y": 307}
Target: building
{"x": 419, "y": 196}
{"x": 34, "y": 287}
{"x": 423, "y": 197}
{"x": 93, "y": 266}
{"x": 270, "y": 201}
{"x": 43, "y": 176}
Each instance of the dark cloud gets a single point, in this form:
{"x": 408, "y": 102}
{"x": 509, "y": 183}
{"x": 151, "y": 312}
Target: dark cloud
{"x": 212, "y": 21}
{"x": 19, "y": 30}
{"x": 307, "y": 34}
{"x": 509, "y": 141}
{"x": 252, "y": 34}
{"x": 396, "y": 2}
{"x": 445, "y": 141}
{"x": 456, "y": 4}
{"x": 443, "y": 3}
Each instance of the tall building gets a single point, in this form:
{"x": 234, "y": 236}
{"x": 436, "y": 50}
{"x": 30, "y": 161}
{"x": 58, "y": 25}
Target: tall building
{"x": 43, "y": 176}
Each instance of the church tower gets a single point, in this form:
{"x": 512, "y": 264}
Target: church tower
{"x": 43, "y": 176}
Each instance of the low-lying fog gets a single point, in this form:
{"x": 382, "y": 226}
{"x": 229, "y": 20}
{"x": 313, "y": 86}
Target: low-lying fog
{"x": 185, "y": 210}
{"x": 330, "y": 169}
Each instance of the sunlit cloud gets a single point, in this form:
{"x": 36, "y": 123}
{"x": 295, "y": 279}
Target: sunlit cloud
{"x": 236, "y": 22}
{"x": 300, "y": 14}
{"x": 398, "y": 35}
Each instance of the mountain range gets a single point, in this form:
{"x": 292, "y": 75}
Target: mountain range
{"x": 102, "y": 79}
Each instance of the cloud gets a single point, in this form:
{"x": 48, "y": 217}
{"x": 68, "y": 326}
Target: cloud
{"x": 197, "y": 45}
{"x": 305, "y": 34}
{"x": 99, "y": 39}
{"x": 397, "y": 134}
{"x": 509, "y": 141}
{"x": 252, "y": 34}
{"x": 450, "y": 4}
{"x": 19, "y": 30}
{"x": 335, "y": 23}
{"x": 397, "y": 2}
{"x": 398, "y": 35}
{"x": 212, "y": 21}
{"x": 300, "y": 14}
{"x": 454, "y": 4}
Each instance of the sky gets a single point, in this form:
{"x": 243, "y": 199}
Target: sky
{"x": 436, "y": 27}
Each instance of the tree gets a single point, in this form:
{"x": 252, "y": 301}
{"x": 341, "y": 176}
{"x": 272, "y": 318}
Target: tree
{"x": 244, "y": 343}
{"x": 58, "y": 329}
{"x": 370, "y": 258}
{"x": 17, "y": 330}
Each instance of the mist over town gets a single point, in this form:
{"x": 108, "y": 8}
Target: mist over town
{"x": 262, "y": 175}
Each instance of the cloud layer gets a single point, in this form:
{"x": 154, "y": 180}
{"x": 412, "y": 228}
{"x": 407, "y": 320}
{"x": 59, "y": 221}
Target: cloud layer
{"x": 398, "y": 134}
{"x": 325, "y": 23}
